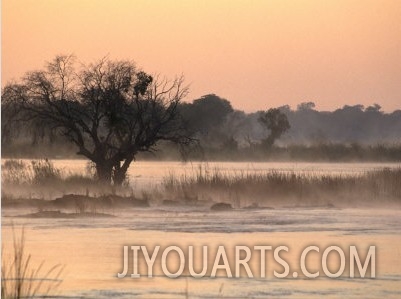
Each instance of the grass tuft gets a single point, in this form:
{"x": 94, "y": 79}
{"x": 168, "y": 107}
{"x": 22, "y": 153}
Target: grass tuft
{"x": 19, "y": 279}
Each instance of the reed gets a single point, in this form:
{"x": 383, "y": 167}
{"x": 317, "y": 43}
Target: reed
{"x": 20, "y": 279}
{"x": 41, "y": 179}
{"x": 262, "y": 187}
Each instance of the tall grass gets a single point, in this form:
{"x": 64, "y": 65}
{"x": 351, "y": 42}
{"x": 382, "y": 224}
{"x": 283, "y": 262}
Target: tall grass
{"x": 41, "y": 179}
{"x": 44, "y": 172}
{"x": 244, "y": 188}
{"x": 20, "y": 279}
{"x": 37, "y": 172}
{"x": 15, "y": 172}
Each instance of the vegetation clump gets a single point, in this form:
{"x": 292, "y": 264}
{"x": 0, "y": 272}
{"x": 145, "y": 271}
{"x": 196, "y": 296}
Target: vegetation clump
{"x": 289, "y": 188}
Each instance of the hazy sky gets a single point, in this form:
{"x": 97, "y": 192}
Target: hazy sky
{"x": 257, "y": 54}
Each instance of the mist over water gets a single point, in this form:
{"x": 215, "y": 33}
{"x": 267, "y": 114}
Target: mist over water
{"x": 97, "y": 242}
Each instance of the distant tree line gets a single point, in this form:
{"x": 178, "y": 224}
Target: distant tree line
{"x": 346, "y": 134}
{"x": 350, "y": 133}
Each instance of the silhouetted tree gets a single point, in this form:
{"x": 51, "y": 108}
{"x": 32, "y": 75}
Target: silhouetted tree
{"x": 110, "y": 110}
{"x": 9, "y": 116}
{"x": 207, "y": 113}
{"x": 277, "y": 123}
{"x": 306, "y": 106}
{"x": 374, "y": 108}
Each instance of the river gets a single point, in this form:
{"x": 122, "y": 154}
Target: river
{"x": 91, "y": 249}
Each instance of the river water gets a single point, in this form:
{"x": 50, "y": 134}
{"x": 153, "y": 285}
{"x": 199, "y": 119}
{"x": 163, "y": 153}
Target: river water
{"x": 91, "y": 249}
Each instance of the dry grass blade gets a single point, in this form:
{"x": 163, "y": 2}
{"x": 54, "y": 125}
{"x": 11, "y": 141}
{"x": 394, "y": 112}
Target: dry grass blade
{"x": 20, "y": 279}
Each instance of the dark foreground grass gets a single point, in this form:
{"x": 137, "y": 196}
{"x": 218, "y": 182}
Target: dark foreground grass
{"x": 20, "y": 279}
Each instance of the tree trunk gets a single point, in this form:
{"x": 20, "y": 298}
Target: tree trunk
{"x": 104, "y": 172}
{"x": 120, "y": 172}
{"x": 119, "y": 177}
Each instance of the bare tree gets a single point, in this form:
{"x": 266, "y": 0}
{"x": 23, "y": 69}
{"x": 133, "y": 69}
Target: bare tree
{"x": 109, "y": 109}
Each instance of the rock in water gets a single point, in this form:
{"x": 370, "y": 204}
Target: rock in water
{"x": 221, "y": 207}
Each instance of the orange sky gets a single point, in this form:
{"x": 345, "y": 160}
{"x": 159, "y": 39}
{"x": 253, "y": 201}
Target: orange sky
{"x": 257, "y": 54}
